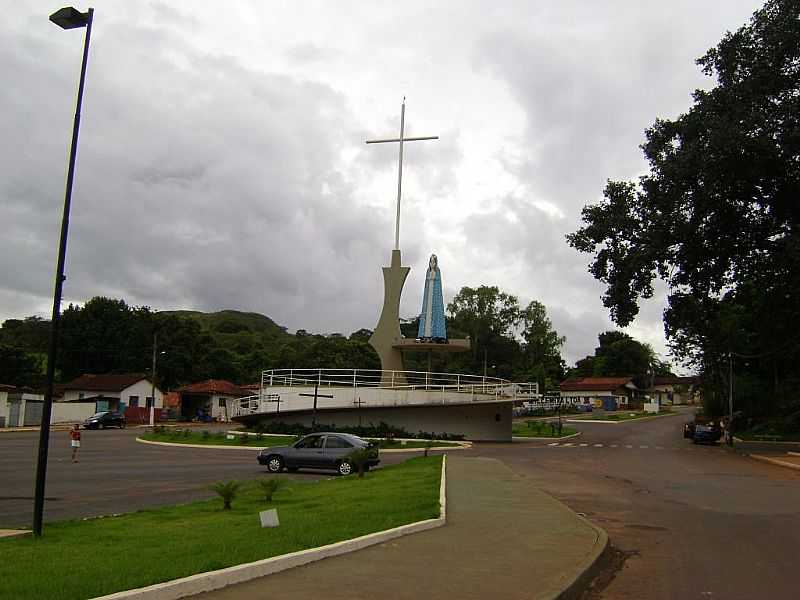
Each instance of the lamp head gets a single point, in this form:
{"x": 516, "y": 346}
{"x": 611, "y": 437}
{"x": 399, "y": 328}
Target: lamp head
{"x": 70, "y": 18}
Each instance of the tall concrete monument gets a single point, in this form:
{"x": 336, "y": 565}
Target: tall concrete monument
{"x": 387, "y": 339}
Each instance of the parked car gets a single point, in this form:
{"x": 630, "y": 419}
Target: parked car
{"x": 318, "y": 451}
{"x": 104, "y": 419}
{"x": 701, "y": 431}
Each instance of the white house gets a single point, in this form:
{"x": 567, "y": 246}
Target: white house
{"x": 677, "y": 390}
{"x": 114, "y": 392}
{"x": 599, "y": 392}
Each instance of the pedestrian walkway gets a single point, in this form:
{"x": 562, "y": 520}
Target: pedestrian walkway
{"x": 504, "y": 538}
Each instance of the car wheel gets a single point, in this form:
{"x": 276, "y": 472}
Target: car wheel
{"x": 103, "y": 426}
{"x": 345, "y": 467}
{"x": 122, "y": 425}
{"x": 274, "y": 464}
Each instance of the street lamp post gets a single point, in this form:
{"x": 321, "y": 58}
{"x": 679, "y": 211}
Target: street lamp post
{"x": 66, "y": 18}
{"x": 153, "y": 382}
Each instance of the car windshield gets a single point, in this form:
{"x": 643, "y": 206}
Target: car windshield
{"x": 100, "y": 414}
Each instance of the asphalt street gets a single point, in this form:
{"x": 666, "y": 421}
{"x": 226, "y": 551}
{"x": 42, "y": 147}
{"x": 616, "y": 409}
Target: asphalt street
{"x": 692, "y": 521}
{"x": 116, "y": 474}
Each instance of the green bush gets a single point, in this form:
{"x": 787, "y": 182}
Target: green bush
{"x": 226, "y": 491}
{"x": 270, "y": 486}
{"x": 206, "y": 434}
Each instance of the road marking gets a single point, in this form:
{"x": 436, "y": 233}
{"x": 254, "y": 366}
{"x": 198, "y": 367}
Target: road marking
{"x": 613, "y": 445}
{"x": 568, "y": 444}
{"x": 598, "y": 445}
{"x": 644, "y": 446}
{"x": 553, "y": 444}
{"x": 584, "y": 445}
{"x": 628, "y": 446}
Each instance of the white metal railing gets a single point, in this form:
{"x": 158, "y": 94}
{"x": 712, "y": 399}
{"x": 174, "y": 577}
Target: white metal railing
{"x": 377, "y": 378}
{"x": 374, "y": 387}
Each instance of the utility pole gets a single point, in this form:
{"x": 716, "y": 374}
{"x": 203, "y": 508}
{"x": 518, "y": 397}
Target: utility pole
{"x": 153, "y": 384}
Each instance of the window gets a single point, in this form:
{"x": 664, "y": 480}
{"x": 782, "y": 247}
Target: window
{"x": 221, "y": 403}
{"x": 133, "y": 401}
{"x": 149, "y": 401}
{"x": 334, "y": 441}
{"x": 312, "y": 441}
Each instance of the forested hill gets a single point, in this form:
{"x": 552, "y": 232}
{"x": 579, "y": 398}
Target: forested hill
{"x": 107, "y": 335}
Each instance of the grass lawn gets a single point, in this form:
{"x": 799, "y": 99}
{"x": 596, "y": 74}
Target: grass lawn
{"x": 539, "y": 429}
{"x": 627, "y": 415}
{"x": 216, "y": 439}
{"x": 83, "y": 559}
{"x": 767, "y": 436}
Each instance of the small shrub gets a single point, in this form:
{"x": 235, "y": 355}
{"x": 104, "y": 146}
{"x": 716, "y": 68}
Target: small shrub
{"x": 187, "y": 433}
{"x": 428, "y": 445}
{"x": 206, "y": 434}
{"x": 359, "y": 458}
{"x": 227, "y": 491}
{"x": 270, "y": 486}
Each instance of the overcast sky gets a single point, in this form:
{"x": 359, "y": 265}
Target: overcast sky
{"x": 222, "y": 162}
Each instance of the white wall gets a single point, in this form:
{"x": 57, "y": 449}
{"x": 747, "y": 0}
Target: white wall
{"x": 71, "y": 412}
{"x": 474, "y": 421}
{"x": 3, "y": 407}
{"x": 143, "y": 389}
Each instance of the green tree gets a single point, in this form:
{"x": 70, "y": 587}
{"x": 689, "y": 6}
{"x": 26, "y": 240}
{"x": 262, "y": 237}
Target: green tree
{"x": 484, "y": 313}
{"x": 619, "y": 355}
{"x": 18, "y": 368}
{"x": 541, "y": 348}
{"x": 716, "y": 217}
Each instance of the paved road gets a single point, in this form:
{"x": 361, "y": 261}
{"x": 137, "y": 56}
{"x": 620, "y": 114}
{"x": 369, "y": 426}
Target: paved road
{"x": 695, "y": 521}
{"x": 116, "y": 474}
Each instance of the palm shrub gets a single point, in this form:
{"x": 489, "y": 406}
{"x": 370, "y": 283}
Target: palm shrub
{"x": 227, "y": 491}
{"x": 359, "y": 458}
{"x": 270, "y": 486}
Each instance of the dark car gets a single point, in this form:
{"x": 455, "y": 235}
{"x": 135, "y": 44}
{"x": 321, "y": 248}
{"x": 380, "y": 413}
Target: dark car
{"x": 702, "y": 431}
{"x": 318, "y": 451}
{"x": 104, "y": 419}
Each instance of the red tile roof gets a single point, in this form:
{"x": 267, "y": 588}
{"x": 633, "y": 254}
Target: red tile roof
{"x": 214, "y": 386}
{"x": 591, "y": 384}
{"x": 104, "y": 383}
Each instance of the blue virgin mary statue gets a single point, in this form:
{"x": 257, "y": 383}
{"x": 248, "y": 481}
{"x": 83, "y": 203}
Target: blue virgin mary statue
{"x": 432, "y": 325}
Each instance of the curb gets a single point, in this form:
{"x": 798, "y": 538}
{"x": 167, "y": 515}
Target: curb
{"x": 518, "y": 438}
{"x": 775, "y": 461}
{"x": 214, "y": 580}
{"x": 466, "y": 446}
{"x": 212, "y": 446}
{"x": 588, "y": 569}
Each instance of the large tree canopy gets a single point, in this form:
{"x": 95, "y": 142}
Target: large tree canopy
{"x": 716, "y": 217}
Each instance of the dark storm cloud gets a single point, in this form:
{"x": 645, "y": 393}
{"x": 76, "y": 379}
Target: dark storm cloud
{"x": 200, "y": 183}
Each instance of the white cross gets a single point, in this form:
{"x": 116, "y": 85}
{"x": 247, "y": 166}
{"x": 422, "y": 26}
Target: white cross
{"x": 401, "y": 139}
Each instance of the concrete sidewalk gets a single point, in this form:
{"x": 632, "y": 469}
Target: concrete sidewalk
{"x": 503, "y": 539}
